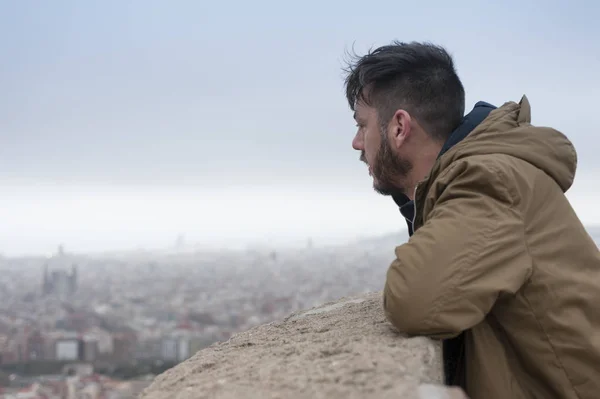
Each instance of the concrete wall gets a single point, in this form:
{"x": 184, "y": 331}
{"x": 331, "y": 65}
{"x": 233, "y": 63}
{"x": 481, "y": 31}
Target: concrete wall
{"x": 344, "y": 349}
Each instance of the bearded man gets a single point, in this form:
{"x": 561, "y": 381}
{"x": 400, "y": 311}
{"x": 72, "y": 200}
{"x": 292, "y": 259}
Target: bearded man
{"x": 497, "y": 265}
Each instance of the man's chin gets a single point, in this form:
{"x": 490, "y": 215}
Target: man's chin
{"x": 381, "y": 189}
{"x": 386, "y": 189}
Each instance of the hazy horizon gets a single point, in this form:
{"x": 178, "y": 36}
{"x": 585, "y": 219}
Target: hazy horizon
{"x": 124, "y": 125}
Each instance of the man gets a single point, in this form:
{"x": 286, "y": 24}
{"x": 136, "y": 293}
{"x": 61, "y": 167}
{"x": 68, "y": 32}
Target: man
{"x": 498, "y": 265}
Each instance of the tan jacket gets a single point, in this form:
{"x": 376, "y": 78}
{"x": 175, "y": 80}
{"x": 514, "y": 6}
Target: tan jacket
{"x": 498, "y": 252}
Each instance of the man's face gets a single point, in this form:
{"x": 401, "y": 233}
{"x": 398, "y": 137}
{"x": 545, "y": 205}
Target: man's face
{"x": 385, "y": 165}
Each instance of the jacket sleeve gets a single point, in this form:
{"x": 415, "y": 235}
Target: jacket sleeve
{"x": 470, "y": 251}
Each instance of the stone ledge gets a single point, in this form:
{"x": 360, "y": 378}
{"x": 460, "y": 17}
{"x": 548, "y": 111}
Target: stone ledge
{"x": 344, "y": 349}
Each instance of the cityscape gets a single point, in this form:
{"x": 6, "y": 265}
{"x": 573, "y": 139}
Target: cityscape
{"x": 102, "y": 326}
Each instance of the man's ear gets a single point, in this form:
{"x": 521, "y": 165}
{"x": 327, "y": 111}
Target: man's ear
{"x": 400, "y": 127}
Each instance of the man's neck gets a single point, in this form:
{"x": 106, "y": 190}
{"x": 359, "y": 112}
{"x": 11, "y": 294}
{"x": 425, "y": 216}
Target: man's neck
{"x": 422, "y": 165}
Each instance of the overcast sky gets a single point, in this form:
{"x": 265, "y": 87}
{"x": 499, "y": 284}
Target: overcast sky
{"x": 125, "y": 123}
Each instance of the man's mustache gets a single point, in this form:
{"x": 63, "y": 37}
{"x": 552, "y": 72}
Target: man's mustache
{"x": 363, "y": 157}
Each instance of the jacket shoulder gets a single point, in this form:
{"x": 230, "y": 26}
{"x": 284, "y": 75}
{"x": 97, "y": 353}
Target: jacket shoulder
{"x": 490, "y": 174}
{"x": 500, "y": 176}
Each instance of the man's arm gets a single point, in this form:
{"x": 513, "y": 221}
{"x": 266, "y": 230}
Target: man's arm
{"x": 470, "y": 251}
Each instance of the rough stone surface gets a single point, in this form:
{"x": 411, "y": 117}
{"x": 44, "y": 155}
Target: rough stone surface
{"x": 344, "y": 349}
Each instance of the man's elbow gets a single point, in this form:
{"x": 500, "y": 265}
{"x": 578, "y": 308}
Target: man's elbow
{"x": 402, "y": 314}
{"x": 412, "y": 316}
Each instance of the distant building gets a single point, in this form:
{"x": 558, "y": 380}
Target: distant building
{"x": 76, "y": 348}
{"x": 124, "y": 344}
{"x": 175, "y": 349}
{"x": 59, "y": 282}
{"x": 103, "y": 339}
{"x": 309, "y": 243}
{"x": 149, "y": 349}
{"x": 35, "y": 346}
{"x": 169, "y": 349}
{"x": 90, "y": 350}
{"x": 180, "y": 242}
{"x": 69, "y": 349}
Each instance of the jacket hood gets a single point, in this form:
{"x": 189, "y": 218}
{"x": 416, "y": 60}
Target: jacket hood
{"x": 508, "y": 130}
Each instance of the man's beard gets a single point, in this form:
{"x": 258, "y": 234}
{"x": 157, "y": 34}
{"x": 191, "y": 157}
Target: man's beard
{"x": 387, "y": 169}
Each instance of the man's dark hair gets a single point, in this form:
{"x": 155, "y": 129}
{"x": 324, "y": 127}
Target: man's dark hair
{"x": 417, "y": 77}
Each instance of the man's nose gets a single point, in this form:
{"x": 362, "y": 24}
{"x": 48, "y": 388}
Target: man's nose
{"x": 357, "y": 142}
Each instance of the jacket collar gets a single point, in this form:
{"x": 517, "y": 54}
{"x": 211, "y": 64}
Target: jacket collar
{"x": 469, "y": 122}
